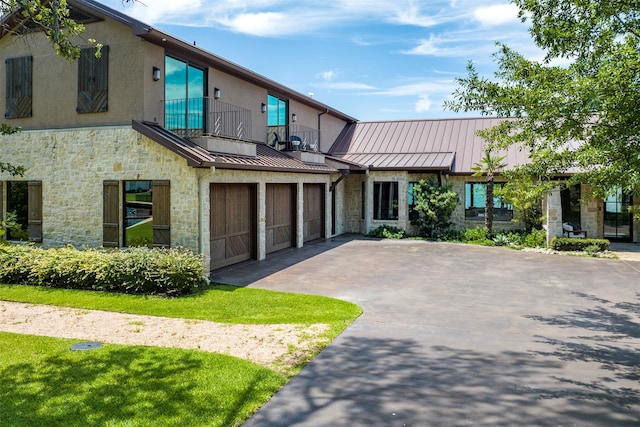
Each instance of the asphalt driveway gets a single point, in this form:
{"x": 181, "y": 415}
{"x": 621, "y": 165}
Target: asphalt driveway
{"x": 460, "y": 335}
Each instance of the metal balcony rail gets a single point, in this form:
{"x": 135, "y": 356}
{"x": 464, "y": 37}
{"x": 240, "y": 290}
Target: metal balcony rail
{"x": 197, "y": 117}
{"x": 293, "y": 137}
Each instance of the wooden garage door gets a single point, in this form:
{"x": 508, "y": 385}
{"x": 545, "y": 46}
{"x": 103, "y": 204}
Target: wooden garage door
{"x": 233, "y": 222}
{"x": 279, "y": 216}
{"x": 313, "y": 211}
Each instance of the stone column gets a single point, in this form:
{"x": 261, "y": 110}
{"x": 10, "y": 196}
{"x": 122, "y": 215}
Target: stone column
{"x": 554, "y": 215}
{"x": 300, "y": 216}
{"x": 261, "y": 230}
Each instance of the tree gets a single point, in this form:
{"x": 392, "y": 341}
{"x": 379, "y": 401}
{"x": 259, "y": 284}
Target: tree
{"x": 51, "y": 16}
{"x": 488, "y": 166}
{"x": 525, "y": 193}
{"x": 435, "y": 203}
{"x": 581, "y": 117}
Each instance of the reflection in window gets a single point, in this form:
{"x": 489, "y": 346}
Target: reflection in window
{"x": 385, "y": 200}
{"x": 138, "y": 213}
{"x": 475, "y": 201}
{"x": 18, "y": 203}
{"x": 276, "y": 111}
{"x": 184, "y": 96}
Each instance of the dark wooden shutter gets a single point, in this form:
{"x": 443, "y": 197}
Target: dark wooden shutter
{"x": 111, "y": 214}
{"x": 19, "y": 87}
{"x": 93, "y": 80}
{"x": 1, "y": 201}
{"x": 161, "y": 214}
{"x": 34, "y": 216}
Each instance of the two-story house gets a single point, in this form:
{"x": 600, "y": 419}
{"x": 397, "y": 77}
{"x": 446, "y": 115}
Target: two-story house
{"x": 156, "y": 141}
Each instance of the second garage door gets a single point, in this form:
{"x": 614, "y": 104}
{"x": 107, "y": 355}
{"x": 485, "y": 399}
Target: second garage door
{"x": 280, "y": 216}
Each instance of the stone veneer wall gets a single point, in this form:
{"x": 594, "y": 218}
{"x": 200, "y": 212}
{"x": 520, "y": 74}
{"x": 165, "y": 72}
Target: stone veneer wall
{"x": 72, "y": 165}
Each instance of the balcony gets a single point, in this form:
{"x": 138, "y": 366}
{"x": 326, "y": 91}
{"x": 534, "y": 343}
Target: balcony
{"x": 207, "y": 117}
{"x": 293, "y": 138}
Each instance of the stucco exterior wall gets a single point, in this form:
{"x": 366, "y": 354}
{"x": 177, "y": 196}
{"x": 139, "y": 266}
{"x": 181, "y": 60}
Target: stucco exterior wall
{"x": 72, "y": 165}
{"x": 55, "y": 80}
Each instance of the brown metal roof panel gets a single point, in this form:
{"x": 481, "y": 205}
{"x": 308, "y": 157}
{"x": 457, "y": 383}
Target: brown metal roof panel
{"x": 193, "y": 153}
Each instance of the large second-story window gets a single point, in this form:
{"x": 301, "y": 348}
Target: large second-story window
{"x": 93, "y": 80}
{"x": 184, "y": 97}
{"x": 19, "y": 87}
{"x": 276, "y": 111}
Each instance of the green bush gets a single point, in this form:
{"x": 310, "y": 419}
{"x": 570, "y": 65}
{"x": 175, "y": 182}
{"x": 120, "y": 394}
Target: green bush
{"x": 474, "y": 234}
{"x": 388, "y": 232}
{"x": 535, "y": 239}
{"x": 168, "y": 272}
{"x": 567, "y": 244}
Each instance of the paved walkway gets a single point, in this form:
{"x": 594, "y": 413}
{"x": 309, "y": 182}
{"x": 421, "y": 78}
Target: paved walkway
{"x": 461, "y": 335}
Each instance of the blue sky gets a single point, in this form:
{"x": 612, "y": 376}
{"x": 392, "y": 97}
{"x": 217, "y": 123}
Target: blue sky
{"x": 371, "y": 59}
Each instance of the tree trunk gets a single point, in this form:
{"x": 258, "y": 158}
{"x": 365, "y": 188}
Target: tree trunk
{"x": 488, "y": 208}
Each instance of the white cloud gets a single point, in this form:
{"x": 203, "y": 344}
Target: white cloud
{"x": 260, "y": 24}
{"x": 345, "y": 86}
{"x": 423, "y": 104}
{"x": 495, "y": 15}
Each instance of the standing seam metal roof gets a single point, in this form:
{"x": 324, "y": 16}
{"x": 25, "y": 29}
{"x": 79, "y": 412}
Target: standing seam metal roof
{"x": 442, "y": 144}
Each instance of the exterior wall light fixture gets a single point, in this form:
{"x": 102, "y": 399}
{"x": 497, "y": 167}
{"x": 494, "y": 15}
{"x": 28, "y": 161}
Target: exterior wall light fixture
{"x": 156, "y": 74}
{"x": 294, "y": 117}
{"x": 263, "y": 108}
{"x": 216, "y": 93}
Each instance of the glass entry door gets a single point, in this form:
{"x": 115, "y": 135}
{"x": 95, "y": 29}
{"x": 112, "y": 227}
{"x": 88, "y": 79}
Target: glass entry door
{"x": 617, "y": 217}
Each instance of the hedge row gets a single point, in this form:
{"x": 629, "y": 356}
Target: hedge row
{"x": 168, "y": 272}
{"x": 568, "y": 244}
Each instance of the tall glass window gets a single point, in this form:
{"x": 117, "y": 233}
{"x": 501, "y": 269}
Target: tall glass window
{"x": 276, "y": 111}
{"x": 385, "y": 200}
{"x": 138, "y": 213}
{"x": 184, "y": 96}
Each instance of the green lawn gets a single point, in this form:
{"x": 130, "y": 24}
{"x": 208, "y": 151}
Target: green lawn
{"x": 43, "y": 382}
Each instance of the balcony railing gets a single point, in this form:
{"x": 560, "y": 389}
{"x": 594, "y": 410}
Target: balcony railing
{"x": 293, "y": 138}
{"x": 197, "y": 117}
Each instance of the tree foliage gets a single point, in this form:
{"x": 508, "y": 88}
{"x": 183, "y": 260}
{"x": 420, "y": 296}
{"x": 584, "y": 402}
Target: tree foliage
{"x": 53, "y": 17}
{"x": 577, "y": 110}
{"x": 435, "y": 203}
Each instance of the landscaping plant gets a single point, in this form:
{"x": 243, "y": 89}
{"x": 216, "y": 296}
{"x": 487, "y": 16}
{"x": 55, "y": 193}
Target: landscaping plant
{"x": 434, "y": 203}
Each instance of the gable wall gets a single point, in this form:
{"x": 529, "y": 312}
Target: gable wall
{"x": 55, "y": 80}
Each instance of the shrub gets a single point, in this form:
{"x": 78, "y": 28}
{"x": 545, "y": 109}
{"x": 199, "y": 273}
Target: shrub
{"x": 388, "y": 232}
{"x": 434, "y": 203}
{"x": 477, "y": 236}
{"x": 168, "y": 272}
{"x": 535, "y": 239}
{"x": 567, "y": 244}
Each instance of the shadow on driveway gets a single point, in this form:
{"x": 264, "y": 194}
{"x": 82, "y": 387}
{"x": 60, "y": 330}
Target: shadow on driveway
{"x": 461, "y": 335}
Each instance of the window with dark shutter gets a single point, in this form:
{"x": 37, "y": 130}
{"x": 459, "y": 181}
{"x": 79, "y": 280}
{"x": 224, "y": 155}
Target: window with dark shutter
{"x": 93, "y": 79}
{"x": 19, "y": 87}
{"x": 110, "y": 214}
{"x": 35, "y": 211}
{"x": 161, "y": 214}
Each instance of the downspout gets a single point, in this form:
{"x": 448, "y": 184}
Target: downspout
{"x": 343, "y": 174}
